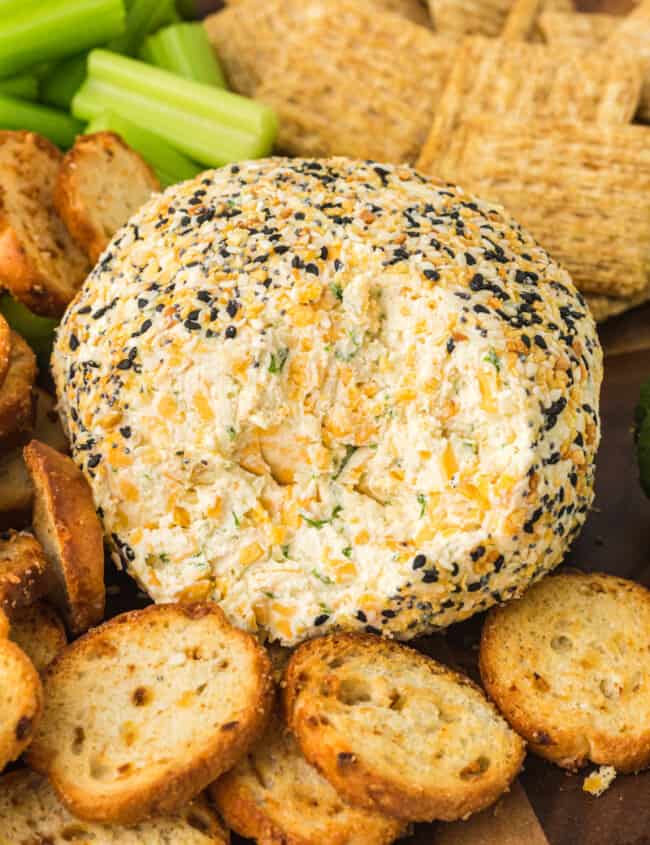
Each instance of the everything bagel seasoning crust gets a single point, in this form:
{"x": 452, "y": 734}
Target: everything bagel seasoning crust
{"x": 332, "y": 394}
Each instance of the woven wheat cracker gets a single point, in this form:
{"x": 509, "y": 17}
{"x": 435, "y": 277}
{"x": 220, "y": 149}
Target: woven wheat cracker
{"x": 604, "y": 307}
{"x": 579, "y": 30}
{"x": 583, "y": 190}
{"x": 250, "y": 36}
{"x": 481, "y": 17}
{"x": 364, "y": 84}
{"x": 414, "y": 10}
{"x": 632, "y": 37}
{"x": 521, "y": 81}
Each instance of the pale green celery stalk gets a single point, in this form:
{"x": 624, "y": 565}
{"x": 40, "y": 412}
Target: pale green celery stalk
{"x": 24, "y": 86}
{"x": 170, "y": 165}
{"x": 58, "y": 126}
{"x": 194, "y": 97}
{"x": 63, "y": 81}
{"x": 210, "y": 125}
{"x": 37, "y": 331}
{"x": 184, "y": 49}
{"x": 40, "y": 32}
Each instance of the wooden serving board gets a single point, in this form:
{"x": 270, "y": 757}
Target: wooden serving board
{"x": 547, "y": 806}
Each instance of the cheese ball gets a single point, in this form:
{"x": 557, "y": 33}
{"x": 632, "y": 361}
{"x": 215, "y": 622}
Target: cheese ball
{"x": 331, "y": 395}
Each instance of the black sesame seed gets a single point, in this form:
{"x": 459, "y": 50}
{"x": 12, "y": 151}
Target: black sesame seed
{"x": 430, "y": 576}
{"x": 361, "y": 616}
{"x": 478, "y": 553}
{"x": 451, "y": 345}
{"x": 280, "y": 249}
{"x": 419, "y": 561}
{"x": 389, "y": 614}
{"x": 74, "y": 342}
{"x": 370, "y": 629}
{"x": 232, "y": 308}
{"x": 93, "y": 460}
{"x": 192, "y": 325}
{"x": 337, "y": 264}
{"x": 203, "y": 296}
{"x": 311, "y": 268}
{"x": 321, "y": 620}
{"x": 125, "y": 431}
{"x": 193, "y": 315}
{"x": 539, "y": 340}
{"x": 324, "y": 252}
{"x": 432, "y": 275}
{"x": 231, "y": 332}
{"x": 125, "y": 364}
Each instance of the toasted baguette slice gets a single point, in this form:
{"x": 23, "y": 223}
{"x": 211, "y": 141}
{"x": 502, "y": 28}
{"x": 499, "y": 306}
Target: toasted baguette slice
{"x": 39, "y": 632}
{"x": 102, "y": 182}
{"x": 273, "y": 795}
{"x": 67, "y": 525}
{"x": 15, "y": 491}
{"x": 145, "y": 711}
{"x": 39, "y": 261}
{"x": 395, "y": 731}
{"x": 568, "y": 666}
{"x": 21, "y": 701}
{"x": 23, "y": 570}
{"x": 5, "y": 347}
{"x": 31, "y": 813}
{"x": 16, "y": 398}
{"x": 48, "y": 428}
{"x": 4, "y": 625}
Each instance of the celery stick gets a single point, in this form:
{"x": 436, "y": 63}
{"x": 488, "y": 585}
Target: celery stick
{"x": 184, "y": 49}
{"x": 24, "y": 86}
{"x": 37, "y": 331}
{"x": 170, "y": 165}
{"x": 39, "y": 32}
{"x": 143, "y": 17}
{"x": 58, "y": 126}
{"x": 195, "y": 98}
{"x": 210, "y": 125}
{"x": 63, "y": 82}
{"x": 206, "y": 141}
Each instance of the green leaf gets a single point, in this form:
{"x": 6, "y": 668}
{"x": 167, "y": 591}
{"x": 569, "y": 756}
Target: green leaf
{"x": 422, "y": 501}
{"x": 278, "y": 361}
{"x": 337, "y": 290}
{"x": 347, "y": 551}
{"x": 324, "y": 578}
{"x": 285, "y": 550}
{"x": 493, "y": 358}
{"x": 236, "y": 518}
{"x": 349, "y": 451}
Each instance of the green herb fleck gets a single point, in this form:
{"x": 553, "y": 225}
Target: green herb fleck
{"x": 164, "y": 557}
{"x": 493, "y": 358}
{"x": 325, "y": 608}
{"x": 285, "y": 550}
{"x": 269, "y": 595}
{"x": 422, "y": 501}
{"x": 337, "y": 290}
{"x": 324, "y": 578}
{"x": 278, "y": 361}
{"x": 347, "y": 551}
{"x": 231, "y": 432}
{"x": 349, "y": 451}
{"x": 236, "y": 518}
{"x": 318, "y": 523}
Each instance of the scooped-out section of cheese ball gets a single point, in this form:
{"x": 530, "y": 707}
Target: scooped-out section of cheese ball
{"x": 332, "y": 394}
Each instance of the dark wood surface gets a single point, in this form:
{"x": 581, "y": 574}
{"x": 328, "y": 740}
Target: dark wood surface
{"x": 548, "y": 806}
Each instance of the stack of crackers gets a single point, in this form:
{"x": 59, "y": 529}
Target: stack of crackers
{"x": 508, "y": 98}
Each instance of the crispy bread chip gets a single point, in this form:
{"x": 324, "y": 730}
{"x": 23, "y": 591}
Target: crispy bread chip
{"x": 67, "y": 525}
{"x": 632, "y": 37}
{"x": 39, "y": 262}
{"x": 273, "y": 795}
{"x": 188, "y": 695}
{"x": 23, "y": 570}
{"x": 395, "y": 731}
{"x": 39, "y": 632}
{"x": 5, "y": 348}
{"x": 102, "y": 183}
{"x": 16, "y": 396}
{"x": 21, "y": 701}
{"x": 568, "y": 664}
{"x": 576, "y": 29}
{"x": 30, "y": 812}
